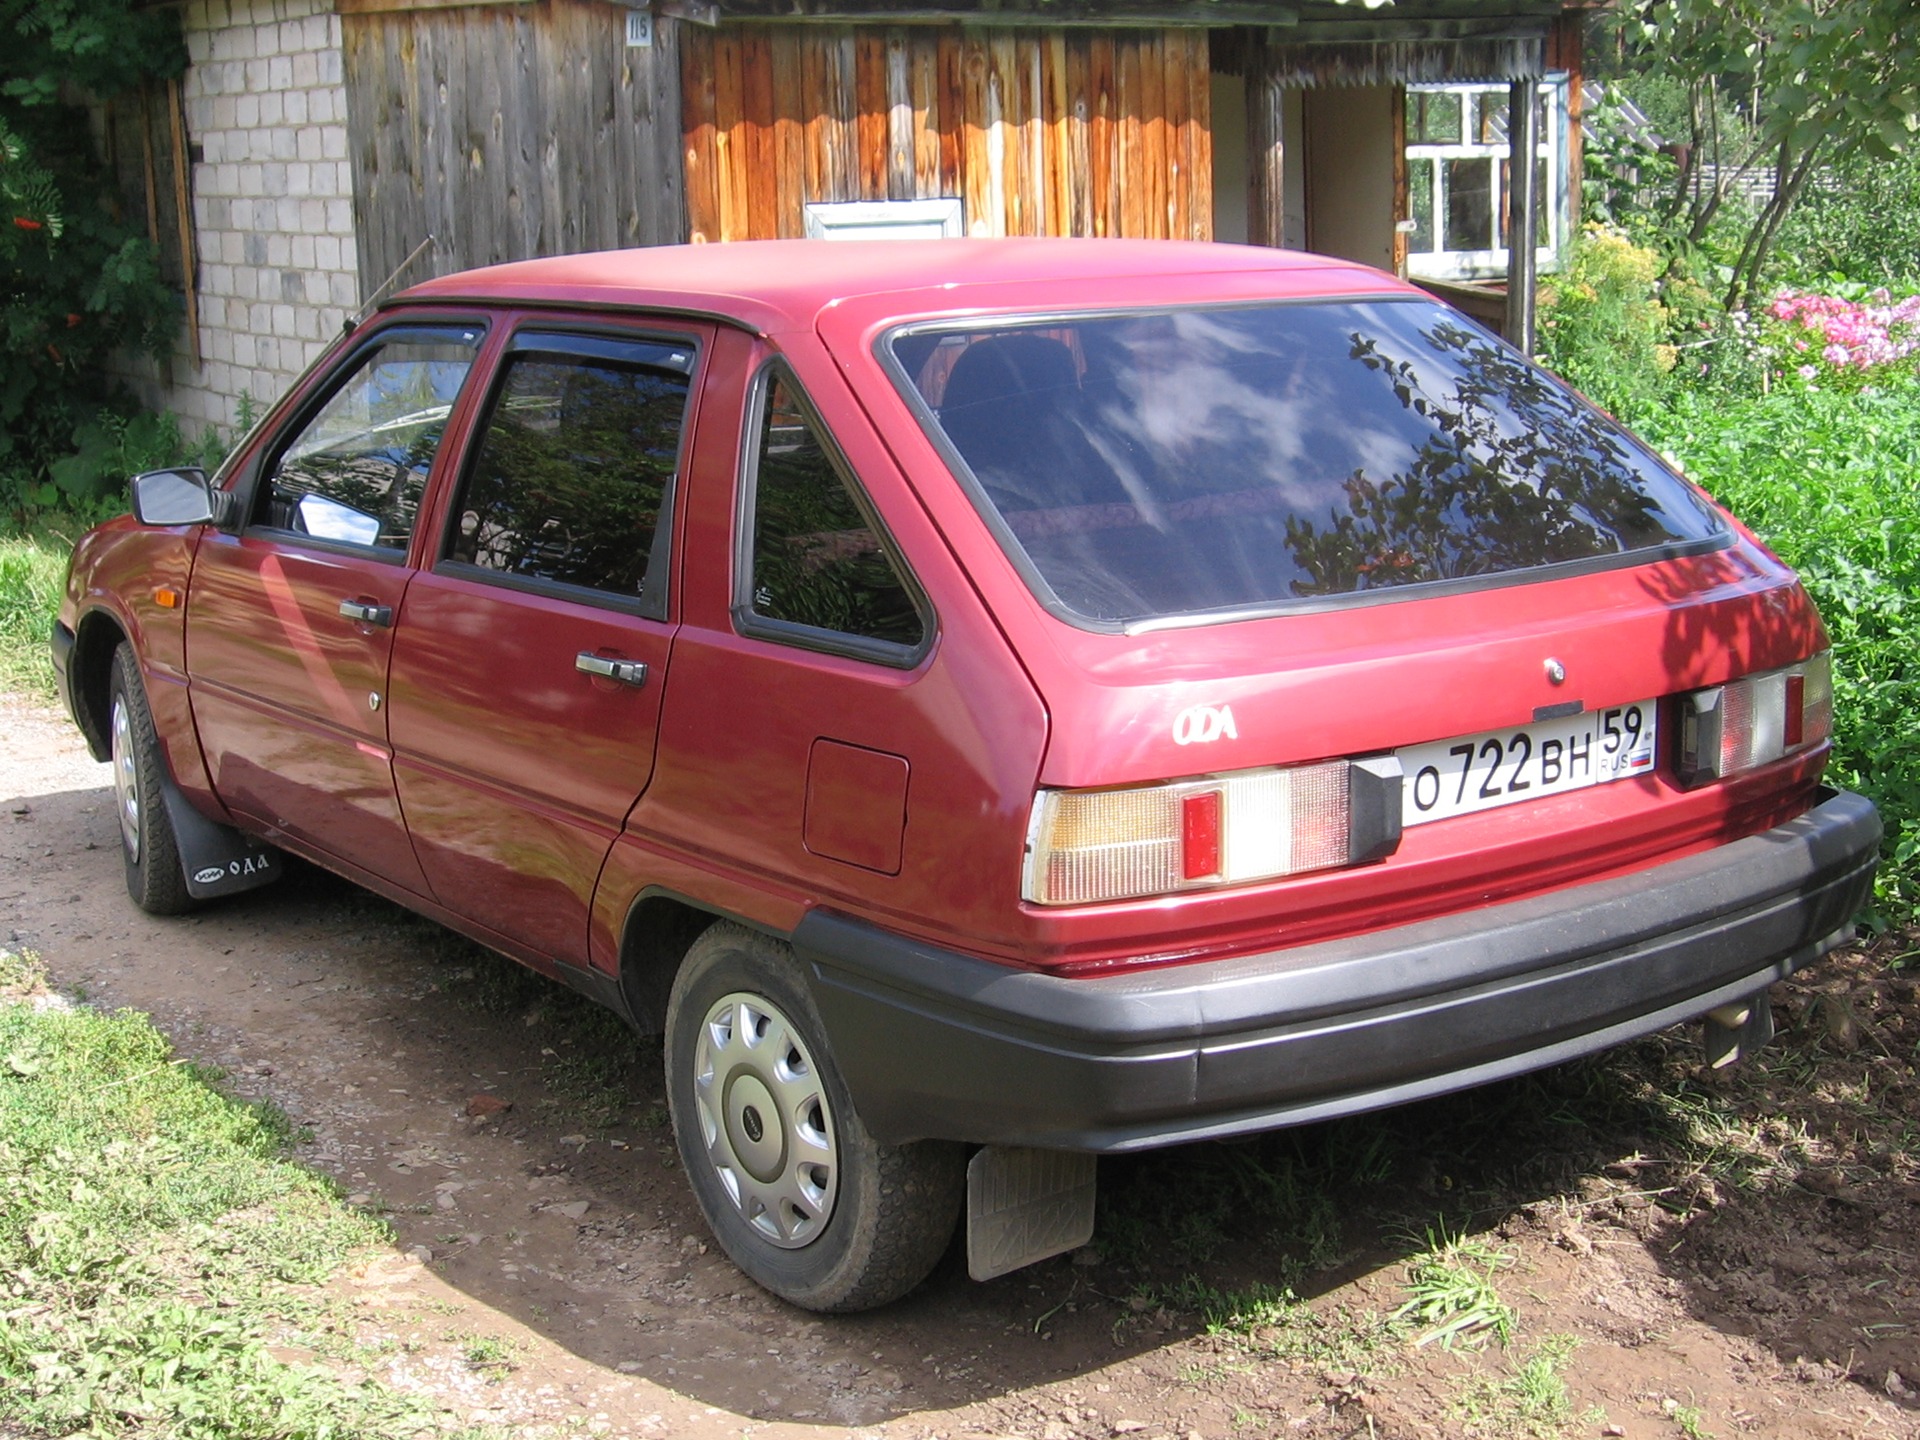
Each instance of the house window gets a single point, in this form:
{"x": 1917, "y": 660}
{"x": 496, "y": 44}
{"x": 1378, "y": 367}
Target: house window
{"x": 1458, "y": 165}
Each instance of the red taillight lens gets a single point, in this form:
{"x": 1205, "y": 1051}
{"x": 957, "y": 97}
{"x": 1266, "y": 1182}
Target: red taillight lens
{"x": 1755, "y": 720}
{"x": 1200, "y": 835}
{"x": 1087, "y": 846}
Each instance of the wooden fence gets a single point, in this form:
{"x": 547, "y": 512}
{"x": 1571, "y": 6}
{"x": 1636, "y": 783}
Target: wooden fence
{"x": 507, "y": 131}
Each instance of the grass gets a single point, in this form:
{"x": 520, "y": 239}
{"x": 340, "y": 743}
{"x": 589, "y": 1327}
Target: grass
{"x": 157, "y": 1244}
{"x": 1530, "y": 1400}
{"x": 32, "y": 570}
{"x": 1450, "y": 1291}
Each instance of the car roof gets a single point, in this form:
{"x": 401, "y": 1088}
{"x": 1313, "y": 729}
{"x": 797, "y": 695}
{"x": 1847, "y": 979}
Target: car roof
{"x": 779, "y": 285}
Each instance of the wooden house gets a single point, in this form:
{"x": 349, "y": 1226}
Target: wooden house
{"x": 465, "y": 132}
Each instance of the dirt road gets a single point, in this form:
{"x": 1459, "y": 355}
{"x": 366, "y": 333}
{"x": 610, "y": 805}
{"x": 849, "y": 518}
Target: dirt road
{"x": 1778, "y": 1299}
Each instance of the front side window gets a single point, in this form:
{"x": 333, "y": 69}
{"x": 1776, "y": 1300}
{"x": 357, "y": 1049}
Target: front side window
{"x": 1459, "y": 178}
{"x": 1172, "y": 463}
{"x": 817, "y": 560}
{"x": 354, "y": 473}
{"x": 574, "y": 469}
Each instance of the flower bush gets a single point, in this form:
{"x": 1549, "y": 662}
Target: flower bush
{"x": 1838, "y": 341}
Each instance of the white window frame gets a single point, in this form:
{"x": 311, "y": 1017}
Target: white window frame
{"x": 1556, "y": 204}
{"x": 886, "y": 219}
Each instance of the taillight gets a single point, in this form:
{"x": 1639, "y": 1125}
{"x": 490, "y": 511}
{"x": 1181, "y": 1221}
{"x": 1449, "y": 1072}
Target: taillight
{"x": 1754, "y": 721}
{"x": 1086, "y": 846}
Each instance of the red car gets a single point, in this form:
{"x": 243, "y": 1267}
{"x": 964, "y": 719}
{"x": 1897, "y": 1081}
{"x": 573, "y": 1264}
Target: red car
{"x": 988, "y": 704}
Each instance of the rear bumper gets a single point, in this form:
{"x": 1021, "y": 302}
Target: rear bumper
{"x": 935, "y": 1044}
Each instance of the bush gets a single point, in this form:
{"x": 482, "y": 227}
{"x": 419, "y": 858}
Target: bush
{"x": 1602, "y": 325}
{"x": 1831, "y": 480}
{"x": 78, "y": 281}
{"x": 1857, "y": 222}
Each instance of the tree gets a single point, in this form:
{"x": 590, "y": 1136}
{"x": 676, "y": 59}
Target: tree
{"x": 1821, "y": 82}
{"x": 77, "y": 280}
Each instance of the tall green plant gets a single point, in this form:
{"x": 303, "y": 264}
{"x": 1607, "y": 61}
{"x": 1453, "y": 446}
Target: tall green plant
{"x": 77, "y": 281}
{"x": 1819, "y": 81}
{"x": 1831, "y": 481}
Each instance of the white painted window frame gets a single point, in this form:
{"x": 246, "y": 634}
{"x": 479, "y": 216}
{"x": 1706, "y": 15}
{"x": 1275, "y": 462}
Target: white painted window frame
{"x": 1442, "y": 264}
{"x": 886, "y": 219}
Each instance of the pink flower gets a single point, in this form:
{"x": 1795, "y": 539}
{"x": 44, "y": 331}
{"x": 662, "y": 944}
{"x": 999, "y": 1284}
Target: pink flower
{"x": 1807, "y": 372}
{"x": 1835, "y": 355}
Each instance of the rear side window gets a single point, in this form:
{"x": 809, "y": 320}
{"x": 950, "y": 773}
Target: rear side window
{"x": 1155, "y": 465}
{"x": 354, "y": 472}
{"x": 573, "y": 472}
{"x": 815, "y": 558}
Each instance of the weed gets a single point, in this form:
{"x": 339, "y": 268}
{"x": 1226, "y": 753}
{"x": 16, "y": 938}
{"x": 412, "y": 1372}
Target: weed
{"x": 1532, "y": 1400}
{"x": 1269, "y": 1323}
{"x": 487, "y": 1355}
{"x": 1450, "y": 1289}
{"x": 1691, "y": 1419}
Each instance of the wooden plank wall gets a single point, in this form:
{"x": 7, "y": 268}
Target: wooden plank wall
{"x": 1040, "y": 132}
{"x": 508, "y": 131}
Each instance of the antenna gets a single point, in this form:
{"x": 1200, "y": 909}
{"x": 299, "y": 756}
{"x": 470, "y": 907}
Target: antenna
{"x": 398, "y": 270}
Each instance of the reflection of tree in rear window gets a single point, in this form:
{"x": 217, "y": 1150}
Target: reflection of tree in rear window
{"x": 1177, "y": 462}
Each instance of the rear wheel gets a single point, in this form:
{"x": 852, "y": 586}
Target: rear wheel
{"x": 155, "y": 879}
{"x": 802, "y": 1198}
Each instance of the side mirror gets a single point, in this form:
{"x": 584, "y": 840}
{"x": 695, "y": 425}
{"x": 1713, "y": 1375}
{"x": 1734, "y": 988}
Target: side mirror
{"x": 172, "y": 497}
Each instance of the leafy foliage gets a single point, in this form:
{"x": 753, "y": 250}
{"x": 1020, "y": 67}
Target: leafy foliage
{"x": 1831, "y": 480}
{"x": 1601, "y": 323}
{"x": 1824, "y": 81}
{"x": 77, "y": 281}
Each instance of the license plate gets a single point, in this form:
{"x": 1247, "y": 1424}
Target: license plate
{"x": 1469, "y": 773}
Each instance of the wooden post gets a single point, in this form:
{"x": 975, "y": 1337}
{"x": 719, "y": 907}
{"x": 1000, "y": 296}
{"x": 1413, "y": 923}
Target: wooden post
{"x": 1523, "y": 201}
{"x": 1266, "y": 153}
{"x": 183, "y": 209}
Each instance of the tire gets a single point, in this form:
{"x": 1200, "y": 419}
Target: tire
{"x": 806, "y": 1202}
{"x": 155, "y": 878}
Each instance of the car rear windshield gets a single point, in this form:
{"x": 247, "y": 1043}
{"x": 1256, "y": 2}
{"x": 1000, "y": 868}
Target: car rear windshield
{"x": 1172, "y": 463}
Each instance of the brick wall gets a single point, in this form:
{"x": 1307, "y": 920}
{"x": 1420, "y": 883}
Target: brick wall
{"x": 266, "y": 118}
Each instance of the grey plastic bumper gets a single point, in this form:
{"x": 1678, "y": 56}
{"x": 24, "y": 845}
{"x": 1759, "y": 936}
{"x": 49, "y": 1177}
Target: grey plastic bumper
{"x": 935, "y": 1044}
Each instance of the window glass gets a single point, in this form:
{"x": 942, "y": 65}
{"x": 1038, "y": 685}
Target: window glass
{"x": 1457, "y": 155}
{"x": 817, "y": 559}
{"x": 573, "y": 472}
{"x": 1175, "y": 462}
{"x": 355, "y": 472}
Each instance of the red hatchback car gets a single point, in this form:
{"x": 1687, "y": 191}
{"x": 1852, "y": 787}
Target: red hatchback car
{"x": 988, "y": 703}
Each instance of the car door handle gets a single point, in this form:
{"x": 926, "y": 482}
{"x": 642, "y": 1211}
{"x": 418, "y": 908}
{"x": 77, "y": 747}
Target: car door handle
{"x": 624, "y": 672}
{"x": 367, "y": 612}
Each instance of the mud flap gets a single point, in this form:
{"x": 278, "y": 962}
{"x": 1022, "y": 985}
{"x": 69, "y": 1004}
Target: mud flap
{"x": 1735, "y": 1031}
{"x": 1024, "y": 1205}
{"x": 218, "y": 859}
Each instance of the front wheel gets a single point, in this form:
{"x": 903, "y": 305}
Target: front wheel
{"x": 155, "y": 879}
{"x": 802, "y": 1198}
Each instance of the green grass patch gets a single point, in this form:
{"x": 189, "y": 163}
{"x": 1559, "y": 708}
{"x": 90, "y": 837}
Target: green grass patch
{"x": 32, "y": 570}
{"x": 155, "y": 1241}
{"x": 1530, "y": 1400}
{"x": 1831, "y": 482}
{"x": 1451, "y": 1291}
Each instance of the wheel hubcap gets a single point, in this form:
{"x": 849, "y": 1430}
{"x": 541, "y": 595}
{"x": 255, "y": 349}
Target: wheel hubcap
{"x": 764, "y": 1120}
{"x": 126, "y": 784}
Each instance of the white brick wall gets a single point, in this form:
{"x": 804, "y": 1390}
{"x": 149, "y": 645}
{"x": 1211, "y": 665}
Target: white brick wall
{"x": 272, "y": 205}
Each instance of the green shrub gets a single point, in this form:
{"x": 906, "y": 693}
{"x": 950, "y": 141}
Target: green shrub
{"x": 1856, "y": 222}
{"x": 1831, "y": 481}
{"x": 1602, "y": 325}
